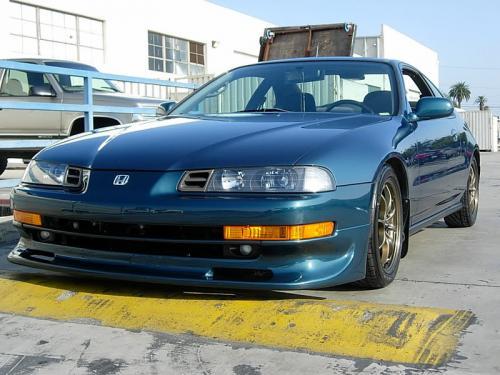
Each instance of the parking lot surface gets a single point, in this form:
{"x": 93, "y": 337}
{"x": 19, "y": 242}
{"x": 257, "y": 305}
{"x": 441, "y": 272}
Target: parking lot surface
{"x": 439, "y": 316}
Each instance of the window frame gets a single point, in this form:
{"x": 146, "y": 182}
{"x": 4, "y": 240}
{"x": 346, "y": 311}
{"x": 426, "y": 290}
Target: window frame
{"x": 420, "y": 77}
{"x": 165, "y": 59}
{"x": 77, "y": 43}
{"x": 6, "y": 73}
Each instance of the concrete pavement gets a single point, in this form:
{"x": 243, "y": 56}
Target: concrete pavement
{"x": 446, "y": 268}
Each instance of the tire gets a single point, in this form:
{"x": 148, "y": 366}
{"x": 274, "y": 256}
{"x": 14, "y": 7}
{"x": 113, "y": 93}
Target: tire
{"x": 3, "y": 164}
{"x": 466, "y": 216}
{"x": 387, "y": 221}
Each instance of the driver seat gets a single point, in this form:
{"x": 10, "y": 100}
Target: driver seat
{"x": 293, "y": 99}
{"x": 379, "y": 102}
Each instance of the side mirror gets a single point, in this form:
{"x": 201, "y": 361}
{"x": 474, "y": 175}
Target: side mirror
{"x": 432, "y": 108}
{"x": 164, "y": 108}
{"x": 42, "y": 90}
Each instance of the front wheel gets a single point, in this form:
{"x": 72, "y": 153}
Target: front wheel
{"x": 386, "y": 238}
{"x": 466, "y": 216}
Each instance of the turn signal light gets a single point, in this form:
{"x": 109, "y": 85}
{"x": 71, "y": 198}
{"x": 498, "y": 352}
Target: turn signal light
{"x": 27, "y": 218}
{"x": 278, "y": 232}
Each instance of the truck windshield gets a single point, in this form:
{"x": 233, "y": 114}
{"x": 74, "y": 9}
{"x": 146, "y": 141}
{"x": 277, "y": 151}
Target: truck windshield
{"x": 327, "y": 86}
{"x": 75, "y": 83}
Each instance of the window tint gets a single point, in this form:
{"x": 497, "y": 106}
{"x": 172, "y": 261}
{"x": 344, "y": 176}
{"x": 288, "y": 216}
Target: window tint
{"x": 227, "y": 98}
{"x": 19, "y": 83}
{"x": 75, "y": 83}
{"x": 327, "y": 86}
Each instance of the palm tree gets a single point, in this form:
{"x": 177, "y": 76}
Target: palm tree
{"x": 460, "y": 91}
{"x": 452, "y": 100}
{"x": 481, "y": 100}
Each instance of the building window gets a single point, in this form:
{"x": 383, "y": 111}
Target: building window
{"x": 174, "y": 55}
{"x": 55, "y": 34}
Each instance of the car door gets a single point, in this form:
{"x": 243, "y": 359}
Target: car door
{"x": 440, "y": 152}
{"x": 18, "y": 85}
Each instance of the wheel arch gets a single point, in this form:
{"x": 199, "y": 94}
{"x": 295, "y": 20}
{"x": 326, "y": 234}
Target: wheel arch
{"x": 398, "y": 165}
{"x": 77, "y": 126}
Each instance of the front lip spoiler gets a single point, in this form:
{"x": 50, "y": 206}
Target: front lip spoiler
{"x": 16, "y": 257}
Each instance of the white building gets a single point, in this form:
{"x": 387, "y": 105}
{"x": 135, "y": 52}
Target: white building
{"x": 161, "y": 39}
{"x": 157, "y": 39}
{"x": 391, "y": 44}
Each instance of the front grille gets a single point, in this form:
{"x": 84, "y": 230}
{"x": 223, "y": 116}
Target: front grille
{"x": 141, "y": 247}
{"x": 195, "y": 180}
{"x": 146, "y": 231}
{"x": 147, "y": 239}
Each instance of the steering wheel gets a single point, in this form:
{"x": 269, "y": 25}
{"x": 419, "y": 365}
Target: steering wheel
{"x": 349, "y": 102}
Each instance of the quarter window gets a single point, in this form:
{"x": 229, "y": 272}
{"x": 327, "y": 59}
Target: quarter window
{"x": 173, "y": 55}
{"x": 416, "y": 88}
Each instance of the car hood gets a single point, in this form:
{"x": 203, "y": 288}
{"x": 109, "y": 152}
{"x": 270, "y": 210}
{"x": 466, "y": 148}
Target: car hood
{"x": 196, "y": 143}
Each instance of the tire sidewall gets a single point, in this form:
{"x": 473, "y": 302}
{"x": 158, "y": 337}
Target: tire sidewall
{"x": 386, "y": 174}
{"x": 472, "y": 214}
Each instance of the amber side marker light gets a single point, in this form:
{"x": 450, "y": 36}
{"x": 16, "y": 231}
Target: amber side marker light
{"x": 27, "y": 218}
{"x": 278, "y": 232}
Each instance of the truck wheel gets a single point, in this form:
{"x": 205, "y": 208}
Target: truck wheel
{"x": 3, "y": 164}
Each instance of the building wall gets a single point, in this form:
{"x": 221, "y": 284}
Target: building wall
{"x": 230, "y": 38}
{"x": 236, "y": 35}
{"x": 401, "y": 47}
{"x": 391, "y": 44}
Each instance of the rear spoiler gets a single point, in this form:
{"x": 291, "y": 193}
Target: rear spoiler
{"x": 307, "y": 41}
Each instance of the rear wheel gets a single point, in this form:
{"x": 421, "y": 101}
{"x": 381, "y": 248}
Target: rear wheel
{"x": 386, "y": 239}
{"x": 466, "y": 216}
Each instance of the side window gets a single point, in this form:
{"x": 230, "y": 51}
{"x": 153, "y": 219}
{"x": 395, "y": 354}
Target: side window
{"x": 19, "y": 83}
{"x": 416, "y": 87}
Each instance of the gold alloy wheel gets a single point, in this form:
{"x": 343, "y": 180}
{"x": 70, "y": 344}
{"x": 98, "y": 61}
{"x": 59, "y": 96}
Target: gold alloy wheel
{"x": 389, "y": 226}
{"x": 473, "y": 190}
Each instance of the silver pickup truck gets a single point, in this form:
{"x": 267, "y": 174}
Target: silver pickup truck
{"x": 22, "y": 131}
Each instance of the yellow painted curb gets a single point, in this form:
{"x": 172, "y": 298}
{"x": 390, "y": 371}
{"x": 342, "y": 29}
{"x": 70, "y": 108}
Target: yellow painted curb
{"x": 414, "y": 335}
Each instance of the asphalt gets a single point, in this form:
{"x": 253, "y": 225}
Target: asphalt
{"x": 455, "y": 269}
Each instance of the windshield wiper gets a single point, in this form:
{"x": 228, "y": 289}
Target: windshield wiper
{"x": 264, "y": 110}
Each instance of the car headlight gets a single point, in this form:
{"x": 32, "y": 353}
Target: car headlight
{"x": 272, "y": 180}
{"x": 55, "y": 174}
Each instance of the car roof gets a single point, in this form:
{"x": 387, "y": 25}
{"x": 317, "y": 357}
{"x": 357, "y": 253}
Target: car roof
{"x": 330, "y": 58}
{"x": 42, "y": 61}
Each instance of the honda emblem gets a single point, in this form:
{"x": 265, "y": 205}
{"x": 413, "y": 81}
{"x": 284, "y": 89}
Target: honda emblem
{"x": 121, "y": 179}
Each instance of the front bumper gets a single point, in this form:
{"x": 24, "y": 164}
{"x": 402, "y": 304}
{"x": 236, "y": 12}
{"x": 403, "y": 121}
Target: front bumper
{"x": 315, "y": 263}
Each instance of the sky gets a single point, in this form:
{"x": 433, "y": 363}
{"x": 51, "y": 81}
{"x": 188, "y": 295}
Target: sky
{"x": 465, "y": 33}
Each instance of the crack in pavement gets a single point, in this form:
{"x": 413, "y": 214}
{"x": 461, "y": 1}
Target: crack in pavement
{"x": 449, "y": 283}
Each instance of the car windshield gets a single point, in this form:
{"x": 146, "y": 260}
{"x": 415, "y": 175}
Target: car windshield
{"x": 358, "y": 87}
{"x": 75, "y": 83}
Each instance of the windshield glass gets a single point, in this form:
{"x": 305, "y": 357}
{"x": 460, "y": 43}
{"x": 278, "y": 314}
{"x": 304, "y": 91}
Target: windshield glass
{"x": 306, "y": 86}
{"x": 75, "y": 83}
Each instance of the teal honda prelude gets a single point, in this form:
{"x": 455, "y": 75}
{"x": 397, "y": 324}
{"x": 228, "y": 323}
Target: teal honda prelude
{"x": 291, "y": 174}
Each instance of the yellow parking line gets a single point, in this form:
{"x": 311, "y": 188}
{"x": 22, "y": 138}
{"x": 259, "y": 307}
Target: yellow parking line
{"x": 414, "y": 335}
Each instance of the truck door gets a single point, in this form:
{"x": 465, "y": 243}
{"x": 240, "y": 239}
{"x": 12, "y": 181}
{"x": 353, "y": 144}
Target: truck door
{"x": 19, "y": 85}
